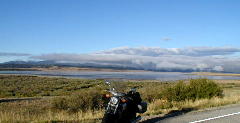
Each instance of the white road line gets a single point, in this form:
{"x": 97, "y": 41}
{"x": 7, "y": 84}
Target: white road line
{"x": 215, "y": 117}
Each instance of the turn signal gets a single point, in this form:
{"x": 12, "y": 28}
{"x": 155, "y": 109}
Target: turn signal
{"x": 108, "y": 95}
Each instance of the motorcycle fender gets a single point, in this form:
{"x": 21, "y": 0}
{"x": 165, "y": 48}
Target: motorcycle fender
{"x": 124, "y": 106}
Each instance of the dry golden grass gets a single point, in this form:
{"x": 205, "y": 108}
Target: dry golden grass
{"x": 214, "y": 74}
{"x": 50, "y": 116}
{"x": 232, "y": 96}
{"x": 227, "y": 81}
{"x": 23, "y": 111}
{"x": 41, "y": 110}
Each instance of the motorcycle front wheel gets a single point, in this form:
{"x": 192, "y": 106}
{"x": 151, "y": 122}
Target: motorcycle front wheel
{"x": 109, "y": 118}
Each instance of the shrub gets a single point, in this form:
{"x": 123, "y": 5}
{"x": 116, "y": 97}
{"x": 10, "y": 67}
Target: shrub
{"x": 196, "y": 89}
{"x": 60, "y": 103}
{"x": 150, "y": 93}
{"x": 203, "y": 88}
{"x": 83, "y": 100}
{"x": 176, "y": 93}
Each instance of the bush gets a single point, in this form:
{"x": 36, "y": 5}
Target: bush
{"x": 176, "y": 93}
{"x": 196, "y": 89}
{"x": 83, "y": 100}
{"x": 150, "y": 93}
{"x": 204, "y": 88}
{"x": 60, "y": 103}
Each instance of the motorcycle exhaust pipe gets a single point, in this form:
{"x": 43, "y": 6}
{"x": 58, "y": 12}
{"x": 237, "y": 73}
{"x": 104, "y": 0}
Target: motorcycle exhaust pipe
{"x": 138, "y": 118}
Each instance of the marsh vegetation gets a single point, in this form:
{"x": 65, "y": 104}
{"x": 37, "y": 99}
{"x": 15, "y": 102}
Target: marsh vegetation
{"x": 66, "y": 99}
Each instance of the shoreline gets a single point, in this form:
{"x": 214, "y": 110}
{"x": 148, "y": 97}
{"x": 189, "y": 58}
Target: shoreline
{"x": 71, "y": 69}
{"x": 214, "y": 74}
{"x": 82, "y": 69}
{"x": 221, "y": 81}
{"x": 161, "y": 76}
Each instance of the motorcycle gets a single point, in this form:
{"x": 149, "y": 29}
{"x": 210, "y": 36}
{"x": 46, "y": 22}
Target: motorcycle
{"x": 123, "y": 107}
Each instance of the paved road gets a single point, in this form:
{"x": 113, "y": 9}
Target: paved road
{"x": 227, "y": 114}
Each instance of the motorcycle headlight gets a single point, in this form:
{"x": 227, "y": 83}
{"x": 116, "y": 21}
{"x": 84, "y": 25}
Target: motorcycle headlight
{"x": 114, "y": 100}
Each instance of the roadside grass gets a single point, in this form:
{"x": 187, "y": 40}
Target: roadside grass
{"x": 42, "y": 111}
{"x": 34, "y": 111}
{"x": 49, "y": 116}
{"x": 164, "y": 107}
{"x": 231, "y": 95}
{"x": 79, "y": 100}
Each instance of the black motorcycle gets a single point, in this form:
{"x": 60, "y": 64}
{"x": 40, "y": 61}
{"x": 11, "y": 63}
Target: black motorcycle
{"x": 123, "y": 107}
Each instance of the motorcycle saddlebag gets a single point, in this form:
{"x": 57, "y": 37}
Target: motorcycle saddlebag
{"x": 142, "y": 107}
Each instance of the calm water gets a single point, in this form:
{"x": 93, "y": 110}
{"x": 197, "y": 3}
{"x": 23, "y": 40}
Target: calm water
{"x": 165, "y": 76}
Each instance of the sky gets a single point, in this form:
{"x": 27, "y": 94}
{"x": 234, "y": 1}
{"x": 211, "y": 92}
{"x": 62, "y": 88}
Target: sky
{"x": 31, "y": 29}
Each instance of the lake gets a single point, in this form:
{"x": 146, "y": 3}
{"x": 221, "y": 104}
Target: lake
{"x": 164, "y": 76}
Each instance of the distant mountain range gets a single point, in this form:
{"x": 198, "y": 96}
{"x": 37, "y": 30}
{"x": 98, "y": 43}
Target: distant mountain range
{"x": 47, "y": 64}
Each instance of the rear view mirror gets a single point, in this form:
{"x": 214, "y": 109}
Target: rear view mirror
{"x": 108, "y": 83}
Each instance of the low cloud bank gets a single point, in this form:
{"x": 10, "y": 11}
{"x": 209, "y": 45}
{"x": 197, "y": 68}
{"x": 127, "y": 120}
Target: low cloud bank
{"x": 165, "y": 59}
{"x": 191, "y": 51}
{"x": 13, "y": 54}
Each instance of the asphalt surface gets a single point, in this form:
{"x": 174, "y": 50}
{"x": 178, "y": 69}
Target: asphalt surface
{"x": 227, "y": 114}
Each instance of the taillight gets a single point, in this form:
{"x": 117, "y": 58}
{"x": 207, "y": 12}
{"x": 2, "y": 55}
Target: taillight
{"x": 123, "y": 100}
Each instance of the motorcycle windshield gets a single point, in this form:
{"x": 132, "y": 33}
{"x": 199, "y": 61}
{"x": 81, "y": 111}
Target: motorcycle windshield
{"x": 119, "y": 87}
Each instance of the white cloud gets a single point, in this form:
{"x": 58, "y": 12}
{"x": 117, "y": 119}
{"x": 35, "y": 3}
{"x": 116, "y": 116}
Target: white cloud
{"x": 193, "y": 58}
{"x": 202, "y": 66}
{"x": 156, "y": 51}
{"x": 218, "y": 68}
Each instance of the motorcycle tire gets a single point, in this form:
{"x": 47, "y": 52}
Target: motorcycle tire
{"x": 109, "y": 118}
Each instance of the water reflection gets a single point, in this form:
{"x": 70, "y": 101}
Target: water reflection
{"x": 165, "y": 76}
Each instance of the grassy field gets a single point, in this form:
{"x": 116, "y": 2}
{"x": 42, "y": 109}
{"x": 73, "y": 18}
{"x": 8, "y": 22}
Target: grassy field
{"x": 81, "y": 100}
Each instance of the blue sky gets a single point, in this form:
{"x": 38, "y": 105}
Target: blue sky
{"x": 82, "y": 26}
{"x": 42, "y": 28}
